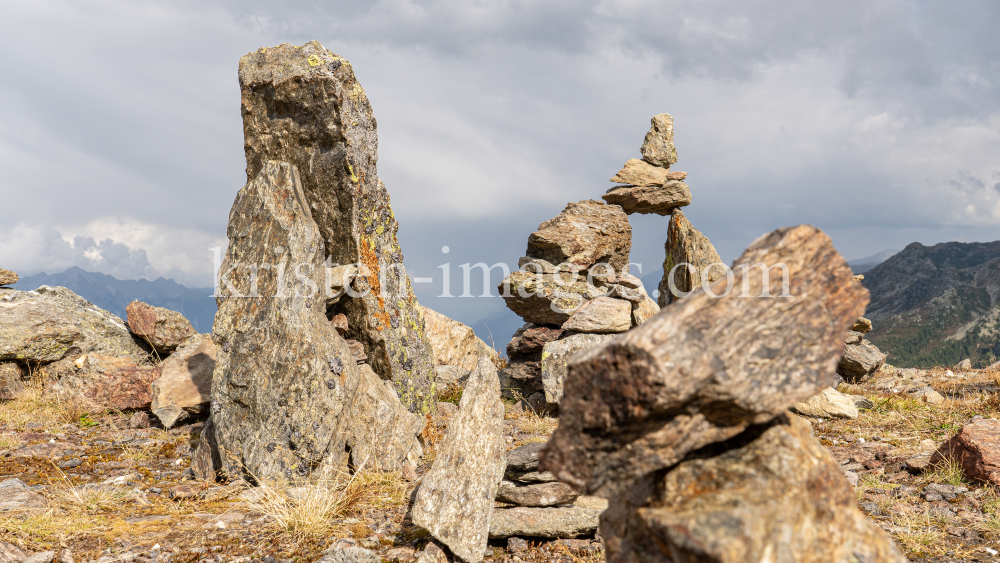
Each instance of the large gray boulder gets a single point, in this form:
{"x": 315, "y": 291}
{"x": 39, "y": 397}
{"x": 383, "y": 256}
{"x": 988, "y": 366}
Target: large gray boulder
{"x": 50, "y": 323}
{"x": 455, "y": 499}
{"x": 691, "y": 253}
{"x": 304, "y": 106}
{"x": 288, "y": 399}
{"x": 184, "y": 387}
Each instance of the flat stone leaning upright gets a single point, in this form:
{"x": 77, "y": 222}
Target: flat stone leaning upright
{"x": 303, "y": 105}
{"x": 288, "y": 399}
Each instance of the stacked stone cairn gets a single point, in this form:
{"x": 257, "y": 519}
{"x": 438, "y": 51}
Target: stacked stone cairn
{"x": 861, "y": 358}
{"x": 574, "y": 291}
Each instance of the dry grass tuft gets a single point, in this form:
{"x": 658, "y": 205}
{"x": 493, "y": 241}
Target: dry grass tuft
{"x": 32, "y": 406}
{"x": 947, "y": 472}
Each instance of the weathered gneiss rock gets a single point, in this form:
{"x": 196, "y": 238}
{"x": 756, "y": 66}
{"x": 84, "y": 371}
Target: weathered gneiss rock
{"x": 601, "y": 315}
{"x": 16, "y": 497}
{"x": 455, "y": 499}
{"x": 8, "y": 277}
{"x": 706, "y": 368}
{"x": 303, "y": 105}
{"x": 185, "y": 384}
{"x": 556, "y": 522}
{"x": 536, "y": 494}
{"x": 860, "y": 360}
{"x": 102, "y": 382}
{"x": 976, "y": 448}
{"x": 780, "y": 497}
{"x": 555, "y": 356}
{"x": 546, "y": 299}
{"x": 640, "y": 173}
{"x": 454, "y": 343}
{"x": 288, "y": 399}
{"x": 586, "y": 233}
{"x": 163, "y": 329}
{"x": 658, "y": 147}
{"x": 828, "y": 403}
{"x": 688, "y": 256}
{"x": 524, "y": 458}
{"x": 642, "y": 312}
{"x": 11, "y": 384}
{"x": 657, "y": 200}
{"x": 49, "y": 323}
{"x": 862, "y": 325}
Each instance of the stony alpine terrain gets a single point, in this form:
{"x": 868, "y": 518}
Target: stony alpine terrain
{"x": 329, "y": 417}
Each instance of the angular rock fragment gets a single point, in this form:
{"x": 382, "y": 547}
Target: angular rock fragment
{"x": 653, "y": 200}
{"x": 546, "y": 299}
{"x": 454, "y": 343}
{"x": 862, "y": 325}
{"x": 860, "y": 361}
{"x": 340, "y": 324}
{"x": 828, "y": 403}
{"x": 536, "y": 494}
{"x": 11, "y": 384}
{"x": 8, "y": 277}
{"x": 184, "y": 387}
{"x": 557, "y": 522}
{"x": 17, "y": 498}
{"x": 303, "y": 105}
{"x": 50, "y": 323}
{"x": 976, "y": 447}
{"x": 641, "y": 312}
{"x": 658, "y": 146}
{"x": 103, "y": 382}
{"x": 738, "y": 506}
{"x": 530, "y": 339}
{"x": 288, "y": 399}
{"x": 704, "y": 371}
{"x": 585, "y": 233}
{"x": 640, "y": 173}
{"x": 689, "y": 258}
{"x": 10, "y": 553}
{"x": 455, "y": 499}
{"x": 524, "y": 458}
{"x": 163, "y": 329}
{"x": 964, "y": 365}
{"x": 555, "y": 357}
{"x": 601, "y": 315}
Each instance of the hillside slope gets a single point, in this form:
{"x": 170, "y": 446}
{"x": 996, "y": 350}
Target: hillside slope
{"x": 114, "y": 295}
{"x": 936, "y": 305}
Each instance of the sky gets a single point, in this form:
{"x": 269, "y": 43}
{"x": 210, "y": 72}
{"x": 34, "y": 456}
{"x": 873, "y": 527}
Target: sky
{"x": 877, "y": 121}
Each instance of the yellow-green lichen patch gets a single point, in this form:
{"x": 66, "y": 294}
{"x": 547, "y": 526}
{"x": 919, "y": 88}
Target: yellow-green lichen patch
{"x": 314, "y": 60}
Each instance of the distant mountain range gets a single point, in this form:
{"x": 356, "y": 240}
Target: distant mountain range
{"x": 114, "y": 295}
{"x": 862, "y": 265}
{"x": 937, "y": 305}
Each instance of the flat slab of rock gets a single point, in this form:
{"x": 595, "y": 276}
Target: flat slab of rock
{"x": 161, "y": 328}
{"x": 546, "y": 299}
{"x": 650, "y": 200}
{"x": 8, "y": 277}
{"x": 104, "y": 382}
{"x": 706, "y": 368}
{"x": 536, "y": 494}
{"x": 288, "y": 399}
{"x": 455, "y": 499}
{"x": 555, "y": 359}
{"x": 304, "y": 106}
{"x": 454, "y": 343}
{"x": 17, "y": 498}
{"x": 184, "y": 387}
{"x": 586, "y": 233}
{"x": 658, "y": 146}
{"x": 828, "y": 403}
{"x": 524, "y": 458}
{"x": 640, "y": 173}
{"x": 860, "y": 361}
{"x": 44, "y": 324}
{"x": 688, "y": 255}
{"x": 557, "y": 522}
{"x": 602, "y": 315}
{"x": 739, "y": 505}
{"x": 976, "y": 447}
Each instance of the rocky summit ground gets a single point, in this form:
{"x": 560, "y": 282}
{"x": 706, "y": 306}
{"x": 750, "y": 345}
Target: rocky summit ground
{"x": 107, "y": 491}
